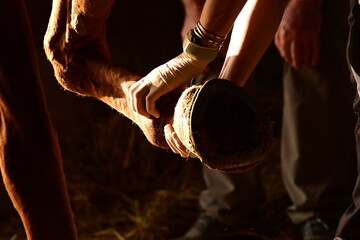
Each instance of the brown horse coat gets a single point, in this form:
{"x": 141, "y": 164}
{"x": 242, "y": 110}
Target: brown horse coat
{"x": 30, "y": 159}
{"x": 75, "y": 43}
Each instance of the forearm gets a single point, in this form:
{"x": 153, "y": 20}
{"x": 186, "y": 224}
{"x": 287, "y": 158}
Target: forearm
{"x": 193, "y": 6}
{"x": 192, "y": 10}
{"x": 218, "y": 16}
{"x": 253, "y": 31}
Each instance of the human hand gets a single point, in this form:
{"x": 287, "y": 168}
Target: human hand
{"x": 163, "y": 79}
{"x": 174, "y": 142}
{"x": 298, "y": 36}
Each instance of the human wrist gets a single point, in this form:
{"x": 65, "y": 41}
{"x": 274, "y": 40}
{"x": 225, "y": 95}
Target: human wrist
{"x": 303, "y": 11}
{"x": 205, "y": 38}
{"x": 194, "y": 47}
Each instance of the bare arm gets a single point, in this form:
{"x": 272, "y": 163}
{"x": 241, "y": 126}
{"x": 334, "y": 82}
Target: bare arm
{"x": 216, "y": 20}
{"x": 192, "y": 10}
{"x": 253, "y": 31}
{"x": 218, "y": 16}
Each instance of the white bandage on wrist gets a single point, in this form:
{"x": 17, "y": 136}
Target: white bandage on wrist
{"x": 198, "y": 52}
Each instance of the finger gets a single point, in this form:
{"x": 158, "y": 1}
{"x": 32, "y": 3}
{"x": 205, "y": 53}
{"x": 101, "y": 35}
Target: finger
{"x": 279, "y": 43}
{"x": 285, "y": 48}
{"x": 295, "y": 55}
{"x": 154, "y": 94}
{"x": 169, "y": 130}
{"x": 277, "y": 39}
{"x": 171, "y": 144}
{"x": 309, "y": 49}
{"x": 150, "y": 106}
{"x": 133, "y": 89}
{"x": 184, "y": 152}
{"x": 315, "y": 53}
{"x": 139, "y": 102}
{"x": 138, "y": 99}
{"x": 306, "y": 53}
{"x": 174, "y": 141}
{"x": 168, "y": 136}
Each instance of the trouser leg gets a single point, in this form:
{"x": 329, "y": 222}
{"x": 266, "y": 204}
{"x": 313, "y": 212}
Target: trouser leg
{"x": 233, "y": 198}
{"x": 317, "y": 142}
{"x": 317, "y": 146}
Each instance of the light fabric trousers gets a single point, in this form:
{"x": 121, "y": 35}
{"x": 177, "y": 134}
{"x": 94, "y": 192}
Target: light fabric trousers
{"x": 317, "y": 140}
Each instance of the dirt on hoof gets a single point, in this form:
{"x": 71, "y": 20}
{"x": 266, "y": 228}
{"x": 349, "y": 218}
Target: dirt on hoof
{"x": 222, "y": 125}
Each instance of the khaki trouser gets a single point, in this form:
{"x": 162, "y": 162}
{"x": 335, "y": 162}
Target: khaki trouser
{"x": 317, "y": 139}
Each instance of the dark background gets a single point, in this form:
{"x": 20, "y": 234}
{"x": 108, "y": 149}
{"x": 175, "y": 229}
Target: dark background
{"x": 118, "y": 183}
